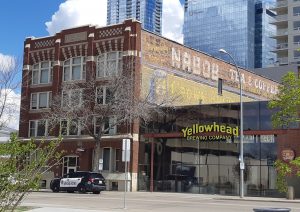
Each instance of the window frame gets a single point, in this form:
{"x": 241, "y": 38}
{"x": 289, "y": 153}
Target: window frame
{"x": 220, "y": 86}
{"x": 104, "y": 59}
{"x": 36, "y": 124}
{"x": 104, "y": 96}
{"x": 39, "y": 69}
{"x": 69, "y": 63}
{"x": 69, "y": 94}
{"x": 37, "y": 102}
{"x": 68, "y": 125}
{"x": 111, "y": 131}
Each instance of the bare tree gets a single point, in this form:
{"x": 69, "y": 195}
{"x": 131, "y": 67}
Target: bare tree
{"x": 96, "y": 107}
{"x": 9, "y": 83}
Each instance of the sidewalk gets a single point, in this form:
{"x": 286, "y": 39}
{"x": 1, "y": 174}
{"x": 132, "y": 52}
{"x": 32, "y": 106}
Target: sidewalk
{"x": 48, "y": 209}
{"x": 208, "y": 196}
{"x": 260, "y": 199}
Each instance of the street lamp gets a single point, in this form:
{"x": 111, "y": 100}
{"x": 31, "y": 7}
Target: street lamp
{"x": 242, "y": 165}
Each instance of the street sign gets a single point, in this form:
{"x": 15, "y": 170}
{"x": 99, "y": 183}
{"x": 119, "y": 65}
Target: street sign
{"x": 126, "y": 144}
{"x": 242, "y": 165}
{"x": 125, "y": 158}
{"x": 100, "y": 164}
{"x": 126, "y": 150}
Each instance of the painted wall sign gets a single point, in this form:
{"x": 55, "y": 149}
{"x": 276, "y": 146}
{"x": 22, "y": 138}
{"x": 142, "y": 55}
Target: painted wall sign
{"x": 166, "y": 54}
{"x": 287, "y": 154}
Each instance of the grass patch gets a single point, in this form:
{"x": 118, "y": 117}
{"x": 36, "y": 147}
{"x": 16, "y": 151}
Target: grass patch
{"x": 23, "y": 208}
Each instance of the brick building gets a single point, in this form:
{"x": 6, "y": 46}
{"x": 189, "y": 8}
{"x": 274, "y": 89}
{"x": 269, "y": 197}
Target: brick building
{"x": 74, "y": 54}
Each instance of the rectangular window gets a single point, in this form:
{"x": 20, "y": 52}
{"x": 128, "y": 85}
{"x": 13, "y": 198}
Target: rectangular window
{"x": 106, "y": 158}
{"x": 118, "y": 160}
{"x": 296, "y": 11}
{"x": 66, "y": 73}
{"x": 35, "y": 77}
{"x": 109, "y": 64}
{"x": 104, "y": 95}
{"x": 71, "y": 98}
{"x": 40, "y": 100}
{"x": 74, "y": 69}
{"x": 100, "y": 95}
{"x": 70, "y": 127}
{"x": 220, "y": 86}
{"x": 32, "y": 127}
{"x": 41, "y": 128}
{"x": 43, "y": 100}
{"x": 42, "y": 73}
{"x": 108, "y": 125}
{"x": 73, "y": 127}
{"x": 64, "y": 127}
{"x": 34, "y": 101}
{"x": 38, "y": 128}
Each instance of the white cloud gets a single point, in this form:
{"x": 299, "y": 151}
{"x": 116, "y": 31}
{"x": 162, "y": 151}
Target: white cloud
{"x": 74, "y": 13}
{"x": 7, "y": 62}
{"x": 172, "y": 20}
{"x": 11, "y": 115}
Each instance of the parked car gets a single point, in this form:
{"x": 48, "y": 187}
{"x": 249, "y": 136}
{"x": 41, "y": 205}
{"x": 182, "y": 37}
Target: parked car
{"x": 81, "y": 181}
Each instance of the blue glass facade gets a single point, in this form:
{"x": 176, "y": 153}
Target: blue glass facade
{"x": 228, "y": 24}
{"x": 264, "y": 44}
{"x": 149, "y": 12}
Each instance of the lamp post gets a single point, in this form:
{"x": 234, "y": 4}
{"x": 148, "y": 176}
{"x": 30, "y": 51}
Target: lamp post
{"x": 242, "y": 165}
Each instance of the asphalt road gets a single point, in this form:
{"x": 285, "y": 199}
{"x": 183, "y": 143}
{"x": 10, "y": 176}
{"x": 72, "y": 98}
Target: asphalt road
{"x": 146, "y": 201}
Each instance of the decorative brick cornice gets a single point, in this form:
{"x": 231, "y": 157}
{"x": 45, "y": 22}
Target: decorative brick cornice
{"x": 45, "y": 43}
{"x": 110, "y": 32}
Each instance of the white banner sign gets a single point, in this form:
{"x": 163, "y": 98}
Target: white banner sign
{"x": 126, "y": 150}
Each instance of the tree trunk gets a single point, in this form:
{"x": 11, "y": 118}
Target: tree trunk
{"x": 96, "y": 157}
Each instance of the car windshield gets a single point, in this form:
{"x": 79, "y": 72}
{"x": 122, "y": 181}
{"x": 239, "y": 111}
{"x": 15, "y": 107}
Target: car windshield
{"x": 80, "y": 174}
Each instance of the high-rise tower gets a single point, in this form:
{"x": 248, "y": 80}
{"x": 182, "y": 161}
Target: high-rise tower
{"x": 149, "y": 12}
{"x": 287, "y": 22}
{"x": 239, "y": 26}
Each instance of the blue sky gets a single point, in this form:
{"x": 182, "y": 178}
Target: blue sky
{"x": 20, "y": 19}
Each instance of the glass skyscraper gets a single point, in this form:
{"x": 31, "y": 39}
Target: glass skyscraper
{"x": 264, "y": 32}
{"x": 228, "y": 24}
{"x": 149, "y": 12}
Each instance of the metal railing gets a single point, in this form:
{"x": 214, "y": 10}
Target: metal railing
{"x": 281, "y": 32}
{"x": 282, "y": 60}
{"x": 281, "y": 17}
{"x": 281, "y": 4}
{"x": 282, "y": 46}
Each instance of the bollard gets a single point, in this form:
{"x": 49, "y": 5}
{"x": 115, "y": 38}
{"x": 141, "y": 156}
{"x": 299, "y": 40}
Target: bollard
{"x": 290, "y": 193}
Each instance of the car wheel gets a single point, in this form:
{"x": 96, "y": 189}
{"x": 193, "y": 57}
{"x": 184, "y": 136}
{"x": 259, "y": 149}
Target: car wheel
{"x": 96, "y": 192}
{"x": 81, "y": 189}
{"x": 55, "y": 189}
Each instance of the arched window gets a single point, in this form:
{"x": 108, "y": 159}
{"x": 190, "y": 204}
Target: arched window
{"x": 74, "y": 69}
{"x": 109, "y": 64}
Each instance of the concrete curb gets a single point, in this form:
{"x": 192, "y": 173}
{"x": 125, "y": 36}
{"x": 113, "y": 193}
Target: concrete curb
{"x": 262, "y": 199}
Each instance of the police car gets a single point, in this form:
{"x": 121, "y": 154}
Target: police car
{"x": 79, "y": 181}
